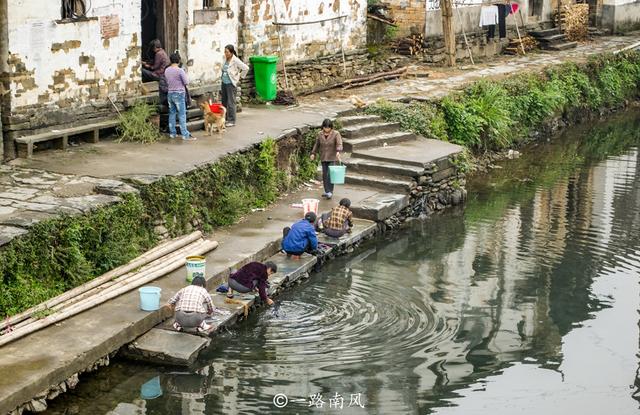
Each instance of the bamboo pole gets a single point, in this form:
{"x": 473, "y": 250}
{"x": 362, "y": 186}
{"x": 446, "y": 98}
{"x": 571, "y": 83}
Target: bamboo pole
{"x": 464, "y": 34}
{"x": 149, "y": 256}
{"x": 284, "y": 65}
{"x": 101, "y": 298}
{"x": 151, "y": 267}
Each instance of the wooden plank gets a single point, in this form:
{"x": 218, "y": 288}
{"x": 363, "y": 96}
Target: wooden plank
{"x": 51, "y": 135}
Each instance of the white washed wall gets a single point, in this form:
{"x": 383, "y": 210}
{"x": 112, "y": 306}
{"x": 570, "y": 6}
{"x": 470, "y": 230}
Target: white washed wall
{"x": 68, "y": 64}
{"x": 259, "y": 36}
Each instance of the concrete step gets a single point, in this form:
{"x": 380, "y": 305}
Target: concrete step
{"x": 166, "y": 347}
{"x": 563, "y": 46}
{"x": 390, "y": 183}
{"x": 364, "y": 130}
{"x": 392, "y": 168}
{"x": 380, "y": 206}
{"x": 192, "y": 126}
{"x": 553, "y": 38}
{"x": 192, "y": 113}
{"x": 361, "y": 230}
{"x": 353, "y": 120}
{"x": 377, "y": 140}
{"x": 544, "y": 33}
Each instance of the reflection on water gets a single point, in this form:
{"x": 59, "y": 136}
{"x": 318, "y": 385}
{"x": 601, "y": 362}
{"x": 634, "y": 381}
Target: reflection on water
{"x": 526, "y": 302}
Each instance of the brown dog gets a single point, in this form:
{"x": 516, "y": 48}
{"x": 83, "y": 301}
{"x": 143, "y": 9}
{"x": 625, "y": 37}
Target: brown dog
{"x": 213, "y": 119}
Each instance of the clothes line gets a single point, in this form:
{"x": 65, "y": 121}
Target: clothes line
{"x": 313, "y": 22}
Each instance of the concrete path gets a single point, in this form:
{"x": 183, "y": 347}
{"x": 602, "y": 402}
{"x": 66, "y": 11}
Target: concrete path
{"x": 109, "y": 159}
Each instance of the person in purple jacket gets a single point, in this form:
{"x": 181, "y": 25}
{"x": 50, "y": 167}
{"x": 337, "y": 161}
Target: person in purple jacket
{"x": 177, "y": 92}
{"x": 252, "y": 276}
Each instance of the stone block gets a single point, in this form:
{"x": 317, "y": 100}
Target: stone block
{"x": 167, "y": 347}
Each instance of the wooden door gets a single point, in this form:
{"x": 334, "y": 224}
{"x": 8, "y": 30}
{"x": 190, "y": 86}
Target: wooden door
{"x": 168, "y": 24}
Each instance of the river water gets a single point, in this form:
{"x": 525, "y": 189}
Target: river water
{"x": 527, "y": 301}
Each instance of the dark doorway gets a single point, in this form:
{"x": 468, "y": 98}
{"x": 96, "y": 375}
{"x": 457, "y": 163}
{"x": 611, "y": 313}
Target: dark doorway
{"x": 148, "y": 25}
{"x": 159, "y": 20}
{"x": 535, "y": 8}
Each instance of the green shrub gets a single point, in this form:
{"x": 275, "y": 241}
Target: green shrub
{"x": 135, "y": 126}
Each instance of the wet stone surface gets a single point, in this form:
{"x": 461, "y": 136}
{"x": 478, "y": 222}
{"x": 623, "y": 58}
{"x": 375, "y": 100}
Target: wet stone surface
{"x": 28, "y": 197}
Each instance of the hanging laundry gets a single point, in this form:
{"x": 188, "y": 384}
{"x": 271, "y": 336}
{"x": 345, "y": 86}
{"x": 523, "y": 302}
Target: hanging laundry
{"x": 503, "y": 12}
{"x": 488, "y": 15}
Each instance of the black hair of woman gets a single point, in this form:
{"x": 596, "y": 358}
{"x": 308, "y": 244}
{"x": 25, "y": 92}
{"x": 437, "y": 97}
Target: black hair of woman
{"x": 231, "y": 49}
{"x": 327, "y": 123}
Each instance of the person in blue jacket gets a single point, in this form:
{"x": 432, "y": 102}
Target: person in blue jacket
{"x": 301, "y": 236}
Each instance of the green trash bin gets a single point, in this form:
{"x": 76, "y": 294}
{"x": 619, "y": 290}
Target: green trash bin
{"x": 265, "y": 74}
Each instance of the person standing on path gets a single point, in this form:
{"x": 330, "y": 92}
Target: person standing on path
{"x": 192, "y": 304}
{"x": 177, "y": 92}
{"x": 328, "y": 146}
{"x": 233, "y": 70}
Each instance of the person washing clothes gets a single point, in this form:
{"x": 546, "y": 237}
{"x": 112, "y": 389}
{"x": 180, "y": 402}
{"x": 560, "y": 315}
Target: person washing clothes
{"x": 328, "y": 146}
{"x": 192, "y": 304}
{"x": 300, "y": 237}
{"x": 252, "y": 276}
{"x": 339, "y": 221}
{"x": 233, "y": 70}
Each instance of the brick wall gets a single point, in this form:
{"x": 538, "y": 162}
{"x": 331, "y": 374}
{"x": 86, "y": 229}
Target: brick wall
{"x": 409, "y": 15}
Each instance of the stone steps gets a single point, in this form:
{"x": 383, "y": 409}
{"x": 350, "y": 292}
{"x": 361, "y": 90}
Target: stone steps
{"x": 553, "y": 39}
{"x": 563, "y": 46}
{"x": 365, "y": 166}
{"x": 377, "y": 140}
{"x": 353, "y": 120}
{"x": 544, "y": 33}
{"x": 389, "y": 183}
{"x": 364, "y": 130}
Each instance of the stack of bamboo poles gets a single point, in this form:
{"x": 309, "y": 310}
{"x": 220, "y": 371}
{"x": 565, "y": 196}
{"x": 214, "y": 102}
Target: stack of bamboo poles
{"x": 409, "y": 46}
{"x": 159, "y": 261}
{"x": 376, "y": 77}
{"x": 516, "y": 46}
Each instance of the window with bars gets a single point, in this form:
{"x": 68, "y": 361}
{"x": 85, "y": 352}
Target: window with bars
{"x": 73, "y": 9}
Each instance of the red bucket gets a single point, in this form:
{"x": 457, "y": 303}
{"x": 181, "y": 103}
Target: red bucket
{"x": 216, "y": 108}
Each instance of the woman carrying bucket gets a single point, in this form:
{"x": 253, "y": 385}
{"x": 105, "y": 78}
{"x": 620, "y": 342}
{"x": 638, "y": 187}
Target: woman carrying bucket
{"x": 328, "y": 146}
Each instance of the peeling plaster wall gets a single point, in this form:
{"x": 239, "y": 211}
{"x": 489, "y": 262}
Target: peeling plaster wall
{"x": 206, "y": 41}
{"x": 258, "y": 35}
{"x": 69, "y": 65}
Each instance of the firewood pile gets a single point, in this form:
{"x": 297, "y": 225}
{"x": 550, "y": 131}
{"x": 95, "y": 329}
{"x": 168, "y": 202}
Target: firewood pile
{"x": 528, "y": 42}
{"x": 574, "y": 20}
{"x": 412, "y": 45}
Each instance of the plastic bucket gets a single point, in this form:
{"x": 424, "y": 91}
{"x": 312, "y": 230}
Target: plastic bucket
{"x": 149, "y": 298}
{"x": 310, "y": 205}
{"x": 337, "y": 173}
{"x": 195, "y": 267}
{"x": 151, "y": 389}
